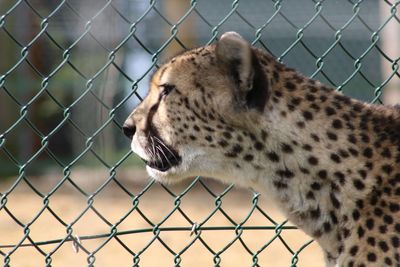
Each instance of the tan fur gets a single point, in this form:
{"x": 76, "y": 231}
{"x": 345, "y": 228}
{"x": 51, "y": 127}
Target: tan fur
{"x": 331, "y": 163}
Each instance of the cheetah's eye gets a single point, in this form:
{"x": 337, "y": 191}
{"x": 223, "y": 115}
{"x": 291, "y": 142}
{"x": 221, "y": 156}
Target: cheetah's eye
{"x": 166, "y": 89}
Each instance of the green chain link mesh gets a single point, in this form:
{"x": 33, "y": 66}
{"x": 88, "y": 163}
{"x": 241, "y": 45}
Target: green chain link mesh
{"x": 71, "y": 71}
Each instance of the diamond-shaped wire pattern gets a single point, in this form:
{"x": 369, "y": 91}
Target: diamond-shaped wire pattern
{"x": 71, "y": 71}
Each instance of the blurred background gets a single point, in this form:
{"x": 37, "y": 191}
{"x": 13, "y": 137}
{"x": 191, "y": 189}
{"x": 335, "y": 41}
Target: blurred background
{"x": 72, "y": 70}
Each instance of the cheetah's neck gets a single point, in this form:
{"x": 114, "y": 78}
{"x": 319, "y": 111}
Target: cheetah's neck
{"x": 321, "y": 149}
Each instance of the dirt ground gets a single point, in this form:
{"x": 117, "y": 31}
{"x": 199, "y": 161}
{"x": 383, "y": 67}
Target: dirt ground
{"x": 113, "y": 203}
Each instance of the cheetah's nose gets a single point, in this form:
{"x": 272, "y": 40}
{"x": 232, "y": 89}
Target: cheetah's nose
{"x": 129, "y": 128}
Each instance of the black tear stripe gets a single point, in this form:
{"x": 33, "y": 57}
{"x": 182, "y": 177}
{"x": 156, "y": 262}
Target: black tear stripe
{"x": 258, "y": 95}
{"x": 151, "y": 113}
{"x": 150, "y": 130}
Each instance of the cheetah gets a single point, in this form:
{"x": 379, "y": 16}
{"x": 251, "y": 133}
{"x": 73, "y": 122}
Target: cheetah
{"x": 232, "y": 112}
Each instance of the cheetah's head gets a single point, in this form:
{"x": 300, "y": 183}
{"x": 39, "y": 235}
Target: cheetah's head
{"x": 201, "y": 109}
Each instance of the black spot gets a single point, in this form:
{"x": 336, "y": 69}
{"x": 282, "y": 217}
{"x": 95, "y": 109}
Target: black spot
{"x": 258, "y": 146}
{"x": 388, "y": 261}
{"x": 358, "y": 184}
{"x": 209, "y": 129}
{"x": 353, "y": 250}
{"x": 362, "y": 173}
{"x": 368, "y": 152}
{"x": 286, "y": 173}
{"x": 387, "y": 168}
{"x": 334, "y": 187}
{"x": 357, "y": 107}
{"x": 369, "y": 165}
{"x": 364, "y": 138}
{"x": 340, "y": 176}
{"x": 369, "y": 223}
{"x": 304, "y": 170}
{"x": 286, "y": 148}
{"x": 352, "y": 138}
{"x": 322, "y": 174}
{"x": 395, "y": 241}
{"x": 337, "y": 124}
{"x": 253, "y": 137}
{"x": 371, "y": 241}
{"x": 301, "y": 124}
{"x": 360, "y": 203}
{"x": 315, "y": 213}
{"x": 374, "y": 200}
{"x": 248, "y": 157}
{"x": 388, "y": 219}
{"x": 327, "y": 227}
{"x": 273, "y": 156}
{"x": 394, "y": 207}
{"x": 310, "y": 195}
{"x": 333, "y": 218}
{"x": 278, "y": 93}
{"x": 386, "y": 153}
{"x": 291, "y": 107}
{"x": 315, "y": 137}
{"x": 227, "y": 135}
{"x": 230, "y": 154}
{"x": 295, "y": 101}
{"x": 397, "y": 227}
{"x": 208, "y": 138}
{"x": 332, "y": 136}
{"x": 334, "y": 200}
{"x": 290, "y": 86}
{"x": 360, "y": 231}
{"x": 223, "y": 143}
{"x": 307, "y": 147}
{"x": 335, "y": 158}
{"x": 343, "y": 153}
{"x": 310, "y": 97}
{"x": 330, "y": 111}
{"x": 315, "y": 107}
{"x": 237, "y": 148}
{"x": 356, "y": 215}
{"x": 371, "y": 257}
{"x": 343, "y": 98}
{"x": 229, "y": 128}
{"x": 353, "y": 152}
{"x": 383, "y": 246}
{"x": 316, "y": 186}
{"x": 346, "y": 232}
{"x": 280, "y": 185}
{"x": 313, "y": 160}
{"x": 317, "y": 234}
{"x": 307, "y": 115}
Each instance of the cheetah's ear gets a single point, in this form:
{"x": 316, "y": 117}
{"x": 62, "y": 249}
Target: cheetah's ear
{"x": 240, "y": 60}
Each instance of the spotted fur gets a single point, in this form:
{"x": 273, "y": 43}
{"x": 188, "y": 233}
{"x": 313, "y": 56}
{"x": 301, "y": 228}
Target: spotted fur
{"x": 232, "y": 112}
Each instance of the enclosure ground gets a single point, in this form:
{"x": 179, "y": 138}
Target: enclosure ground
{"x": 156, "y": 203}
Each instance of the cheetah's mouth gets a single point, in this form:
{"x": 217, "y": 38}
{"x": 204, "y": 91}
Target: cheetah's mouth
{"x": 162, "y": 157}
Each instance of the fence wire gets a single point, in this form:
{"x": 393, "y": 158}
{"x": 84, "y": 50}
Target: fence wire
{"x": 71, "y": 71}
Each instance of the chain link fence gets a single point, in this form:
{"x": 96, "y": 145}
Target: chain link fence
{"x": 71, "y": 192}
